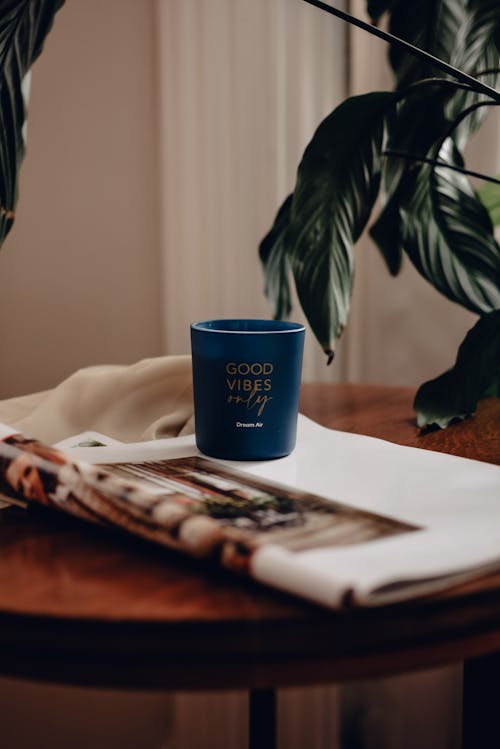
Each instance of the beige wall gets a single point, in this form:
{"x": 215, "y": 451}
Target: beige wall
{"x": 79, "y": 279}
{"x": 159, "y": 146}
{"x": 243, "y": 86}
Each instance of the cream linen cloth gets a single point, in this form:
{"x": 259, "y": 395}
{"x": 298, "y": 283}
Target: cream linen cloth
{"x": 147, "y": 400}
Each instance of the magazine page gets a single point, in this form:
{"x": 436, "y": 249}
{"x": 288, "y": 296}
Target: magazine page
{"x": 370, "y": 558}
{"x": 455, "y": 502}
{"x": 315, "y": 524}
{"x": 186, "y": 503}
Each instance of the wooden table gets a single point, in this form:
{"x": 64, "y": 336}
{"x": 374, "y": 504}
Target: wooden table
{"x": 91, "y": 607}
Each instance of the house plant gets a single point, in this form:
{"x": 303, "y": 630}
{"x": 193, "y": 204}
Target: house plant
{"x": 407, "y": 145}
{"x": 24, "y": 24}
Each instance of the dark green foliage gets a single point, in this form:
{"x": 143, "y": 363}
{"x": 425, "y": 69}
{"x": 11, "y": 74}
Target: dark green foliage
{"x": 376, "y": 143}
{"x": 273, "y": 256}
{"x": 489, "y": 195}
{"x": 337, "y": 184}
{"x": 24, "y": 25}
{"x": 377, "y": 8}
{"x": 476, "y": 373}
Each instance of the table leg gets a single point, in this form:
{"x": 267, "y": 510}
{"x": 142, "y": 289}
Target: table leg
{"x": 262, "y": 719}
{"x": 481, "y": 703}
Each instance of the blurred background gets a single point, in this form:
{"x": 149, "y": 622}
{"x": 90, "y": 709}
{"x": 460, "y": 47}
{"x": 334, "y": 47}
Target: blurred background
{"x": 162, "y": 137}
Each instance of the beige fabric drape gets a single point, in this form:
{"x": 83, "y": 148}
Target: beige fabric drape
{"x": 147, "y": 400}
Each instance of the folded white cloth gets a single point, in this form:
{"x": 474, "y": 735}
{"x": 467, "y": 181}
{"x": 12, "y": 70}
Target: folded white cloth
{"x": 147, "y": 400}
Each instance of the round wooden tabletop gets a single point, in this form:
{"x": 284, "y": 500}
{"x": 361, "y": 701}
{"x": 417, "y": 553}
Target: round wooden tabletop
{"x": 88, "y": 606}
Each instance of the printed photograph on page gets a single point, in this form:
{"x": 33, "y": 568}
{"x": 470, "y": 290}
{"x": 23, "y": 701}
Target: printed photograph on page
{"x": 261, "y": 511}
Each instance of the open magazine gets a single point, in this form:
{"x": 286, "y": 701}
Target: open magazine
{"x": 345, "y": 520}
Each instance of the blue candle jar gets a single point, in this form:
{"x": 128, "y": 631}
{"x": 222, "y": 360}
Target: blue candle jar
{"x": 246, "y": 379}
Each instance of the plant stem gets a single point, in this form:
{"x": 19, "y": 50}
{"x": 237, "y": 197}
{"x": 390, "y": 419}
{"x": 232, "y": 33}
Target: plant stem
{"x": 438, "y": 162}
{"x": 488, "y": 71}
{"x": 462, "y": 116}
{"x": 482, "y": 88}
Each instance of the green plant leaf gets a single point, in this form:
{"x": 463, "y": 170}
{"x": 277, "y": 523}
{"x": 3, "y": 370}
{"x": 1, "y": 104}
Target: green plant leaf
{"x": 377, "y": 8}
{"x": 461, "y": 32}
{"x": 24, "y": 25}
{"x": 431, "y": 25}
{"x": 386, "y": 233}
{"x": 489, "y": 195}
{"x": 337, "y": 183}
{"x": 476, "y": 373}
{"x": 272, "y": 252}
{"x": 449, "y": 237}
{"x": 413, "y": 126}
{"x": 475, "y": 52}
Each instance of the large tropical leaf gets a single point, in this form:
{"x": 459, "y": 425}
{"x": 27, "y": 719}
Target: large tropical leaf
{"x": 377, "y": 8}
{"x": 475, "y": 52}
{"x": 480, "y": 27}
{"x": 337, "y": 183}
{"x": 413, "y": 127}
{"x": 476, "y": 373}
{"x": 448, "y": 235}
{"x": 272, "y": 251}
{"x": 431, "y": 25}
{"x": 489, "y": 195}
{"x": 461, "y": 32}
{"x": 457, "y": 31}
{"x": 386, "y": 233}
{"x": 24, "y": 25}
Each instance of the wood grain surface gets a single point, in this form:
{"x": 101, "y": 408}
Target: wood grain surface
{"x": 387, "y": 412}
{"x": 83, "y": 605}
